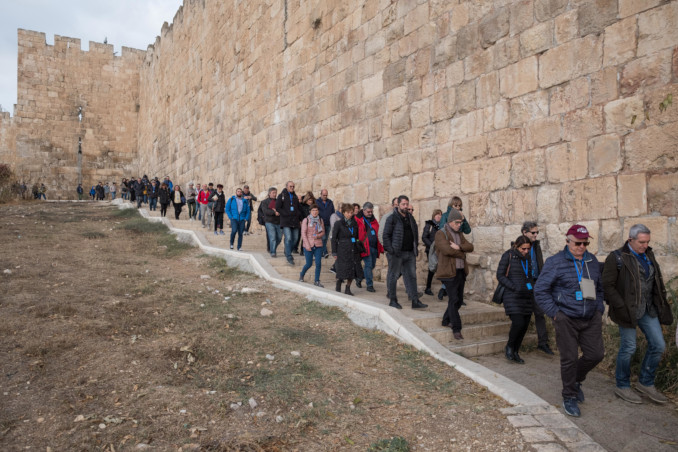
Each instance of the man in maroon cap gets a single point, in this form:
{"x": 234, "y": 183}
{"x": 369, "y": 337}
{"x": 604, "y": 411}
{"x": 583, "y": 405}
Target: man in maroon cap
{"x": 569, "y": 290}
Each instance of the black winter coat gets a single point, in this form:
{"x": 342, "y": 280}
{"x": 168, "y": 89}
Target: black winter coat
{"x": 290, "y": 212}
{"x": 348, "y": 263}
{"x": 517, "y": 296}
{"x": 269, "y": 213}
{"x": 220, "y": 203}
{"x": 429, "y": 234}
{"x": 164, "y": 195}
{"x": 394, "y": 231}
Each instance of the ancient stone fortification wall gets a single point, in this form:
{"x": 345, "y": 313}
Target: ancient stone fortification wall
{"x": 533, "y": 109}
{"x": 53, "y": 82}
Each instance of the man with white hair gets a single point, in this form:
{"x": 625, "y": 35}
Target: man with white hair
{"x": 635, "y": 291}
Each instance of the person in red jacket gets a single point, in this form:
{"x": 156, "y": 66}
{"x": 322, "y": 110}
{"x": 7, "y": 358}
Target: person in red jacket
{"x": 368, "y": 233}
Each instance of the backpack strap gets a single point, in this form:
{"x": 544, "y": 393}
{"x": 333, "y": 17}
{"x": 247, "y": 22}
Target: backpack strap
{"x": 618, "y": 259}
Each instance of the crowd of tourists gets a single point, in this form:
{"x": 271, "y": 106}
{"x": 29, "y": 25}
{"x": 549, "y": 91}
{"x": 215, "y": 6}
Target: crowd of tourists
{"x": 570, "y": 287}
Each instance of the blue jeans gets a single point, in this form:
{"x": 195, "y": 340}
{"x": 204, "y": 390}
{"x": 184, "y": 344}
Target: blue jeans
{"x": 237, "y": 227}
{"x": 316, "y": 252}
{"x": 152, "y": 203}
{"x": 291, "y": 237}
{"x": 655, "y": 348}
{"x": 370, "y": 262}
{"x": 113, "y": 195}
{"x": 274, "y": 237}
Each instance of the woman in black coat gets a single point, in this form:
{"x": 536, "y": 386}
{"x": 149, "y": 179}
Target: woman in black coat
{"x": 428, "y": 237}
{"x": 163, "y": 198}
{"x": 344, "y": 238}
{"x": 514, "y": 272}
{"x": 178, "y": 199}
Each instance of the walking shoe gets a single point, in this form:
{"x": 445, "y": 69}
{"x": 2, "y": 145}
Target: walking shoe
{"x": 273, "y": 255}
{"x": 221, "y": 231}
{"x": 238, "y": 249}
{"x": 458, "y": 336}
{"x": 347, "y": 291}
{"x": 441, "y": 294}
{"x": 245, "y": 233}
{"x": 508, "y": 352}
{"x": 358, "y": 284}
{"x": 370, "y": 289}
{"x": 517, "y": 358}
{"x": 652, "y": 393}
{"x": 290, "y": 261}
{"x": 301, "y": 279}
{"x": 395, "y": 304}
{"x": 571, "y": 408}
{"x": 231, "y": 246}
{"x": 628, "y": 394}
{"x": 546, "y": 349}
{"x": 216, "y": 233}
{"x": 317, "y": 283}
{"x": 326, "y": 255}
{"x": 332, "y": 269}
{"x": 580, "y": 393}
{"x": 428, "y": 291}
{"x": 416, "y": 304}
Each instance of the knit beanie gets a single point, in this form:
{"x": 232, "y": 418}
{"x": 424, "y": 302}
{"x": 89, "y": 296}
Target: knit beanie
{"x": 454, "y": 215}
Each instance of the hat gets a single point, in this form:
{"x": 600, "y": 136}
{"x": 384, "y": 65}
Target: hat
{"x": 454, "y": 215}
{"x": 578, "y": 231}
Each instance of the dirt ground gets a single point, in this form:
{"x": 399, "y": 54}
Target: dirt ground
{"x": 116, "y": 337}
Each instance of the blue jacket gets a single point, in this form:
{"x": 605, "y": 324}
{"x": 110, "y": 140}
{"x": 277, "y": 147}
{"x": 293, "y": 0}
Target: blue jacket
{"x": 557, "y": 285}
{"x": 232, "y": 209}
{"x": 325, "y": 209}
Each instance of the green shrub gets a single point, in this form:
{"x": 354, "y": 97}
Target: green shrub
{"x": 395, "y": 444}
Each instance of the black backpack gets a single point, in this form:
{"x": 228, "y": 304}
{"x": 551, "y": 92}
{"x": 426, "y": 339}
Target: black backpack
{"x": 260, "y": 214}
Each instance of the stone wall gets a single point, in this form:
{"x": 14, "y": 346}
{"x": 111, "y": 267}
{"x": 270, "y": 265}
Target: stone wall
{"x": 532, "y": 109}
{"x": 54, "y": 82}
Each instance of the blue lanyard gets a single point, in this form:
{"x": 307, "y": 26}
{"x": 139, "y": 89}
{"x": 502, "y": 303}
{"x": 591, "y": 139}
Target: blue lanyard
{"x": 350, "y": 229}
{"x": 644, "y": 256}
{"x": 291, "y": 199}
{"x": 579, "y": 275}
{"x": 367, "y": 223}
{"x": 525, "y": 266}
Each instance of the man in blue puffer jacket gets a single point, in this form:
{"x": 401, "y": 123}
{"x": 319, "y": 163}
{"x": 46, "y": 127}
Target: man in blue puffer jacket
{"x": 570, "y": 291}
{"x": 238, "y": 211}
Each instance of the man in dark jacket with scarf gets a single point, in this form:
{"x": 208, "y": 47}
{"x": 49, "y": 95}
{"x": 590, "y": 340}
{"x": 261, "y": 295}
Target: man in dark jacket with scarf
{"x": 401, "y": 239}
{"x": 287, "y": 205}
{"x": 635, "y": 291}
{"x": 530, "y": 230}
{"x": 569, "y": 290}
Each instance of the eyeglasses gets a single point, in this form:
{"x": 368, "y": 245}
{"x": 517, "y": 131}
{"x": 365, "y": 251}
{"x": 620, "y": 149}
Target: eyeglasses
{"x": 533, "y": 232}
{"x": 579, "y": 243}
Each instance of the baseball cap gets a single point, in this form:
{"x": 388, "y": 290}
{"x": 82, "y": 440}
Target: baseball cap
{"x": 578, "y": 231}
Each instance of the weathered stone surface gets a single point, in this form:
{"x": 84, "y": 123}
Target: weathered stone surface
{"x": 467, "y": 41}
{"x": 604, "y": 86}
{"x": 536, "y": 39}
{"x": 445, "y": 52}
{"x": 632, "y": 195}
{"x": 629, "y": 7}
{"x": 543, "y": 132}
{"x": 400, "y": 121}
{"x": 565, "y": 27}
{"x": 555, "y": 237}
{"x": 620, "y": 42}
{"x": 485, "y": 239}
{"x": 444, "y": 105}
{"x": 511, "y": 233}
{"x": 419, "y": 113}
{"x": 570, "y": 60}
{"x": 470, "y": 149}
{"x": 610, "y": 235}
{"x": 394, "y": 75}
{"x": 548, "y": 9}
{"x": 595, "y": 15}
{"x": 503, "y": 207}
{"x": 466, "y": 97}
{"x": 478, "y": 63}
{"x": 622, "y": 115}
{"x": 447, "y": 181}
{"x": 421, "y": 185}
{"x": 582, "y": 124}
{"x": 570, "y": 96}
{"x": 653, "y": 70}
{"x": 520, "y": 78}
{"x": 493, "y": 27}
{"x": 604, "y": 155}
{"x": 521, "y": 16}
{"x": 662, "y": 190}
{"x": 529, "y": 107}
{"x": 548, "y": 204}
{"x": 652, "y": 148}
{"x": 566, "y": 162}
{"x": 592, "y": 198}
{"x": 400, "y": 186}
{"x": 528, "y": 169}
{"x": 506, "y": 52}
{"x": 657, "y": 29}
{"x": 504, "y": 141}
{"x": 495, "y": 173}
{"x": 487, "y": 90}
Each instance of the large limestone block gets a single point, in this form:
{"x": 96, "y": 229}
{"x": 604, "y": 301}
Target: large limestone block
{"x": 529, "y": 107}
{"x": 566, "y": 27}
{"x": 651, "y": 71}
{"x": 537, "y": 39}
{"x": 495, "y": 174}
{"x": 610, "y": 235}
{"x": 629, "y": 7}
{"x": 555, "y": 237}
{"x": 470, "y": 177}
{"x": 445, "y": 52}
{"x": 511, "y": 234}
{"x": 659, "y": 228}
{"x": 582, "y": 124}
{"x": 373, "y": 86}
{"x": 595, "y": 15}
{"x": 503, "y": 207}
{"x": 470, "y": 149}
{"x": 548, "y": 9}
{"x": 504, "y": 141}
{"x": 632, "y": 195}
{"x": 487, "y": 90}
{"x": 604, "y": 155}
{"x": 400, "y": 121}
{"x": 543, "y": 132}
{"x": 394, "y": 75}
{"x": 548, "y": 204}
{"x": 420, "y": 113}
{"x": 566, "y": 162}
{"x": 663, "y": 194}
{"x": 443, "y": 105}
{"x": 653, "y": 148}
{"x": 657, "y": 29}
{"x": 623, "y": 114}
{"x": 521, "y": 16}
{"x": 604, "y": 86}
{"x": 400, "y": 186}
{"x": 396, "y": 98}
{"x": 570, "y": 60}
{"x": 422, "y": 185}
{"x": 570, "y": 96}
{"x": 416, "y": 18}
{"x": 506, "y": 51}
{"x": 467, "y": 40}
{"x": 520, "y": 78}
{"x": 447, "y": 181}
{"x": 466, "y": 97}
{"x": 620, "y": 42}
{"x": 528, "y": 168}
{"x": 487, "y": 239}
{"x": 493, "y": 27}
{"x": 591, "y": 198}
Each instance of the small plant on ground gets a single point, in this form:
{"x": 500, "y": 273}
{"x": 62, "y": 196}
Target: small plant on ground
{"x": 395, "y": 444}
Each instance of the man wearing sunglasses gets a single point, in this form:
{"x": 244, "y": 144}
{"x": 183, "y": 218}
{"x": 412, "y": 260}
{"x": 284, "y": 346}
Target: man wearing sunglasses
{"x": 569, "y": 290}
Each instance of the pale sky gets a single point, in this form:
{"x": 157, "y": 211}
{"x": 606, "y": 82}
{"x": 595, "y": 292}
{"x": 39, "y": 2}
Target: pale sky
{"x": 129, "y": 23}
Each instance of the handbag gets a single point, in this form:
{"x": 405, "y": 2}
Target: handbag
{"x": 498, "y": 296}
{"x": 360, "y": 247}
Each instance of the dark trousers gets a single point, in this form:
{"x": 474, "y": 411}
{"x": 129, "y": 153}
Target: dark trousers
{"x": 540, "y": 324}
{"x": 177, "y": 210}
{"x": 519, "y": 324}
{"x": 218, "y": 220}
{"x": 248, "y": 223}
{"x": 429, "y": 279}
{"x": 163, "y": 209}
{"x": 405, "y": 265}
{"x": 572, "y": 334}
{"x": 455, "y": 294}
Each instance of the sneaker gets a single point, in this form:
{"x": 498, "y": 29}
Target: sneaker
{"x": 358, "y": 284}
{"x": 231, "y": 246}
{"x": 274, "y": 255}
{"x": 238, "y": 249}
{"x": 332, "y": 270}
{"x": 628, "y": 394}
{"x": 245, "y": 233}
{"x": 221, "y": 232}
{"x": 216, "y": 233}
{"x": 571, "y": 408}
{"x": 652, "y": 393}
{"x": 317, "y": 283}
{"x": 301, "y": 279}
{"x": 458, "y": 336}
{"x": 546, "y": 349}
{"x": 580, "y": 393}
{"x": 370, "y": 289}
{"x": 395, "y": 304}
{"x": 290, "y": 261}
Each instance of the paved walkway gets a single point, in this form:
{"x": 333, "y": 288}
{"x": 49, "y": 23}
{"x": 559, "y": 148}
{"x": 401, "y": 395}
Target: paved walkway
{"x": 541, "y": 424}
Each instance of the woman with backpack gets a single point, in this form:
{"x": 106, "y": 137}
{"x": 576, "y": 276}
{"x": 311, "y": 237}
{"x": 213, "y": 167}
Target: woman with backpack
{"x": 514, "y": 272}
{"x": 312, "y": 232}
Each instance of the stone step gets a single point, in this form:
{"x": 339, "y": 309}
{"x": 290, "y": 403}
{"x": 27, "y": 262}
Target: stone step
{"x": 485, "y": 346}
{"x": 471, "y": 332}
{"x": 475, "y": 315}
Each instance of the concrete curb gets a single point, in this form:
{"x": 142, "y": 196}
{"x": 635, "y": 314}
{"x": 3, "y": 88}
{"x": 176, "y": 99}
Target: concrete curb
{"x": 528, "y": 407}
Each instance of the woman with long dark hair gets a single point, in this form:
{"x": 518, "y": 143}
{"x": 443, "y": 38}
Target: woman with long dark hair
{"x": 345, "y": 249}
{"x": 514, "y": 272}
{"x": 163, "y": 198}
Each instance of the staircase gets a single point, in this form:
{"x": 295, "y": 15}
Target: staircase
{"x": 485, "y": 327}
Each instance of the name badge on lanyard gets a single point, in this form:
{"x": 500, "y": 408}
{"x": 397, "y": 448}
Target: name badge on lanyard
{"x": 291, "y": 202}
{"x": 526, "y": 267}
